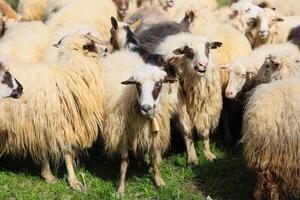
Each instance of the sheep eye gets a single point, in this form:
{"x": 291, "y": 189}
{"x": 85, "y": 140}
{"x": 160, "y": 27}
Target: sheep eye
{"x": 90, "y": 47}
{"x": 242, "y": 75}
{"x": 248, "y": 10}
{"x": 139, "y": 88}
{"x": 275, "y": 65}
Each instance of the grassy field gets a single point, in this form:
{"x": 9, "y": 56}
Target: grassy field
{"x": 225, "y": 178}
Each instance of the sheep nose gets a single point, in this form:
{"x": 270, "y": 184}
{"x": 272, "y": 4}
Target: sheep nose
{"x": 229, "y": 93}
{"x": 203, "y": 64}
{"x": 146, "y": 108}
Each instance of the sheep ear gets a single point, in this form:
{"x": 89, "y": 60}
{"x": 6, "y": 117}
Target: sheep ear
{"x": 58, "y": 44}
{"x": 130, "y": 81}
{"x": 215, "y": 45}
{"x": 178, "y": 51}
{"x": 95, "y": 39}
{"x": 114, "y": 23}
{"x": 169, "y": 80}
{"x": 134, "y": 26}
{"x": 175, "y": 60}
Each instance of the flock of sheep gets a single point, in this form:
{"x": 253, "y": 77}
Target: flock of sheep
{"x": 123, "y": 69}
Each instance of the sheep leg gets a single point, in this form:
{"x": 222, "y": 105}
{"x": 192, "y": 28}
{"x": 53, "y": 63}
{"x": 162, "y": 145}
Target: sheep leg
{"x": 186, "y": 126}
{"x": 207, "y": 153}
{"x": 155, "y": 160}
{"x": 73, "y": 181}
{"x": 47, "y": 173}
{"x": 123, "y": 169}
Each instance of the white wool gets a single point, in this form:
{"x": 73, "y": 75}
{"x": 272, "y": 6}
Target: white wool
{"x": 26, "y": 41}
{"x": 149, "y": 72}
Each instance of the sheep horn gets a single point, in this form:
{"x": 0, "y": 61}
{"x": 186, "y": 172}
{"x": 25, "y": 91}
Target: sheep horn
{"x": 96, "y": 40}
{"x": 135, "y": 25}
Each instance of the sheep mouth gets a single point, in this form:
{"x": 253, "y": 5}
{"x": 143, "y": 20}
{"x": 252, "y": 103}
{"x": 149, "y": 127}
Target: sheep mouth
{"x": 201, "y": 71}
{"x": 122, "y": 13}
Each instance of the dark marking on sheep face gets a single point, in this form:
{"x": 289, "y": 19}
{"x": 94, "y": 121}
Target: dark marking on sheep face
{"x": 131, "y": 37}
{"x": 207, "y": 49}
{"x": 7, "y": 79}
{"x": 91, "y": 47}
{"x": 156, "y": 90}
{"x": 294, "y": 36}
{"x": 187, "y": 51}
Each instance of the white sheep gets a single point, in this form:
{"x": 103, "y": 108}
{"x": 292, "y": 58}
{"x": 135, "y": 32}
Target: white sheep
{"x": 273, "y": 28}
{"x": 95, "y": 13}
{"x": 61, "y": 109}
{"x": 201, "y": 81}
{"x": 271, "y": 138}
{"x": 137, "y": 115}
{"x": 26, "y": 41}
{"x": 243, "y": 70}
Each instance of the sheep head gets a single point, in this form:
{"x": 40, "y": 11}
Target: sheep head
{"x": 122, "y": 7}
{"x": 149, "y": 81}
{"x": 86, "y": 43}
{"x": 194, "y": 56}
{"x": 9, "y": 86}
{"x": 122, "y": 34}
{"x": 267, "y": 20}
{"x": 278, "y": 66}
{"x": 239, "y": 71}
{"x": 165, "y": 4}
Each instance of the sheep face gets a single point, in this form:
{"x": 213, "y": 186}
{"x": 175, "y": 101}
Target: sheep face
{"x": 121, "y": 34}
{"x": 149, "y": 81}
{"x": 84, "y": 43}
{"x": 238, "y": 74}
{"x": 277, "y": 67}
{"x": 267, "y": 20}
{"x": 194, "y": 56}
{"x": 9, "y": 86}
{"x": 167, "y": 3}
{"x": 245, "y": 9}
{"x": 122, "y": 7}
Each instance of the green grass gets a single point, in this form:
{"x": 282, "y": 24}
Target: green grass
{"x": 225, "y": 178}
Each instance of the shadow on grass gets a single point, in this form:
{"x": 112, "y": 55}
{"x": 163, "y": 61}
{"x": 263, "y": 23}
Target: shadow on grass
{"x": 225, "y": 178}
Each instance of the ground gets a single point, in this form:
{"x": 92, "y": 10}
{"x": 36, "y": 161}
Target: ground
{"x": 225, "y": 178}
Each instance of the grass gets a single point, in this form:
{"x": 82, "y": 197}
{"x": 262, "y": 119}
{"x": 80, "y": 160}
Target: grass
{"x": 225, "y": 178}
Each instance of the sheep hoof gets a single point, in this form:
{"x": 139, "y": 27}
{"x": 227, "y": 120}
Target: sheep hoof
{"x": 193, "y": 161}
{"x": 121, "y": 192}
{"x": 51, "y": 179}
{"x": 209, "y": 155}
{"x": 76, "y": 185}
{"x": 159, "y": 182}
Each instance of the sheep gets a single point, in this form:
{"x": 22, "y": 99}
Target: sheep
{"x": 243, "y": 70}
{"x": 271, "y": 138}
{"x": 10, "y": 86}
{"x": 61, "y": 108}
{"x": 123, "y": 37}
{"x": 272, "y": 28}
{"x": 200, "y": 80}
{"x": 294, "y": 36}
{"x": 20, "y": 41}
{"x": 92, "y": 12}
{"x": 279, "y": 65}
{"x": 241, "y": 18}
{"x": 137, "y": 115}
